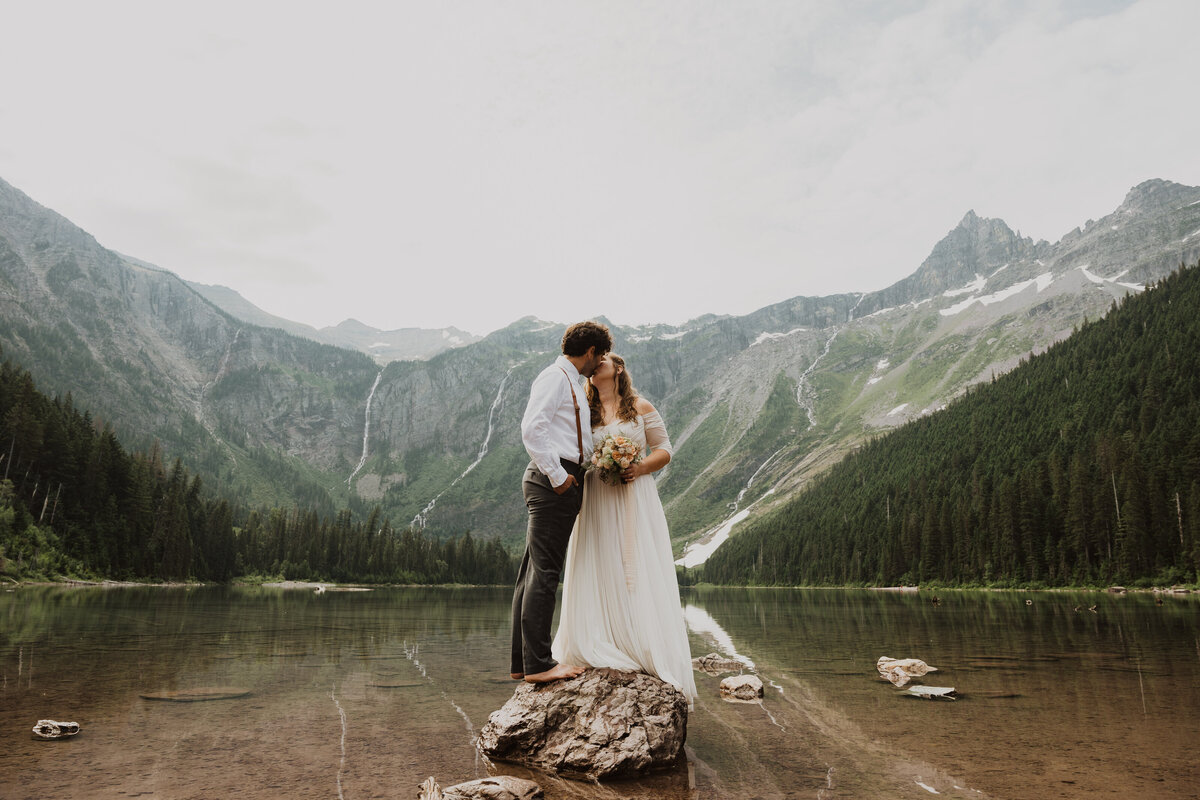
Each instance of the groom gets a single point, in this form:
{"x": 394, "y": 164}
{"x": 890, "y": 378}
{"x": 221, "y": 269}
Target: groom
{"x": 557, "y": 432}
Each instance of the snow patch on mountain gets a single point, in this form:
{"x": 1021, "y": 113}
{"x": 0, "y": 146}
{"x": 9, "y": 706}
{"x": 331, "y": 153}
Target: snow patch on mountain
{"x": 882, "y": 365}
{"x": 897, "y": 409}
{"x": 699, "y": 551}
{"x": 1041, "y": 281}
{"x": 1094, "y": 278}
{"x": 971, "y": 288}
{"x": 766, "y": 337}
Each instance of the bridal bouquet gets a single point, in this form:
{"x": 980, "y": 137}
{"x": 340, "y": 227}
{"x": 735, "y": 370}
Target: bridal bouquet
{"x": 614, "y": 454}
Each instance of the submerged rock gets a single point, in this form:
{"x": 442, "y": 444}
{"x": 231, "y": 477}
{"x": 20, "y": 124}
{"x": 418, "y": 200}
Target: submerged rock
{"x": 715, "y": 664}
{"x": 742, "y": 687}
{"x": 501, "y": 787}
{"x": 603, "y": 724}
{"x": 198, "y": 695}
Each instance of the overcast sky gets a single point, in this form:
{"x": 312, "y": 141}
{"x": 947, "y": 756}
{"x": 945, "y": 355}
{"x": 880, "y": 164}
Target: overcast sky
{"x": 470, "y": 163}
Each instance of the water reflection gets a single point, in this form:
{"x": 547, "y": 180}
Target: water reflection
{"x": 1090, "y": 703}
{"x": 701, "y": 624}
{"x": 367, "y": 694}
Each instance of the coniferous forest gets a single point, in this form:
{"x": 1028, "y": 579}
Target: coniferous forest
{"x": 73, "y": 501}
{"x": 1079, "y": 467}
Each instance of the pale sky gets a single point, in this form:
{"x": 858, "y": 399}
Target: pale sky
{"x": 470, "y": 163}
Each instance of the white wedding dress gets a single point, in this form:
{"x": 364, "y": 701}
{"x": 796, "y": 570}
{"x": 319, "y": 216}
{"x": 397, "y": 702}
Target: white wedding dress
{"x": 620, "y": 604}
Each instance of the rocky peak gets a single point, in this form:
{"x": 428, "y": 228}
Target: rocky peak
{"x": 353, "y": 326}
{"x": 976, "y": 246}
{"x": 1156, "y": 193}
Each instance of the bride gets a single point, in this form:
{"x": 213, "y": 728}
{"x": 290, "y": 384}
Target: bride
{"x": 620, "y": 604}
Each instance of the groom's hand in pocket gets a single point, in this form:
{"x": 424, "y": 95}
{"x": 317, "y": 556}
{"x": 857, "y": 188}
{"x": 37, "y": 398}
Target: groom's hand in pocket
{"x": 565, "y": 485}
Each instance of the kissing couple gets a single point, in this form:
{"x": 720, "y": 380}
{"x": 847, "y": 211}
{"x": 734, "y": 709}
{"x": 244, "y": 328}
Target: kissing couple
{"x": 608, "y": 541}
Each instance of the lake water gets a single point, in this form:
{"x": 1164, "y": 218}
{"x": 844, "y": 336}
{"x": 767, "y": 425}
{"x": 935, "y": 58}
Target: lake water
{"x": 365, "y": 694}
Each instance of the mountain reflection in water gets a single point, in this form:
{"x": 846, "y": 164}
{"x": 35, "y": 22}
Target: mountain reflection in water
{"x": 360, "y": 695}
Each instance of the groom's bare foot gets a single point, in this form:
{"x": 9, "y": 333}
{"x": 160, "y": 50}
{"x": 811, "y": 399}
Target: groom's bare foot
{"x": 557, "y": 672}
{"x": 517, "y": 676}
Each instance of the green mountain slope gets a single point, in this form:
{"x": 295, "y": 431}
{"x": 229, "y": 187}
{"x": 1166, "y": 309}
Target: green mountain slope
{"x": 1082, "y": 465}
{"x": 74, "y": 501}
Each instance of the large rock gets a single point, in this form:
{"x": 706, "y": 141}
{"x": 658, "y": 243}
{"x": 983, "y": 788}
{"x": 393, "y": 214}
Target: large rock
{"x": 603, "y": 724}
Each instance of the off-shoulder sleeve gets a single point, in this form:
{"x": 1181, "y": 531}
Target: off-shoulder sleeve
{"x": 656, "y": 433}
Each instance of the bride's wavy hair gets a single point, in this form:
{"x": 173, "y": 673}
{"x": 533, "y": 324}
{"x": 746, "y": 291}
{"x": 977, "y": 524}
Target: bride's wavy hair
{"x": 626, "y": 406}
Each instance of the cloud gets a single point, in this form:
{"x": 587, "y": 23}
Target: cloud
{"x": 472, "y": 163}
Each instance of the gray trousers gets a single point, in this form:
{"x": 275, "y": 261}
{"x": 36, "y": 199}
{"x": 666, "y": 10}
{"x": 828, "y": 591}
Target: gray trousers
{"x": 551, "y": 518}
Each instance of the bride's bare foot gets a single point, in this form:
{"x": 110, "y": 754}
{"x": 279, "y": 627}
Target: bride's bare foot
{"x": 517, "y": 676}
{"x": 557, "y": 672}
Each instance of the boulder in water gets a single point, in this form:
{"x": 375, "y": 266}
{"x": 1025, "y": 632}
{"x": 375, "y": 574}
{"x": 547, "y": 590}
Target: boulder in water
{"x": 901, "y": 670}
{"x": 51, "y": 729}
{"x": 603, "y": 724}
{"x": 742, "y": 687}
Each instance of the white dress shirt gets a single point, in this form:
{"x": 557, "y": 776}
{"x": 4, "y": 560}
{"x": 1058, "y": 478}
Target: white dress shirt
{"x": 548, "y": 427}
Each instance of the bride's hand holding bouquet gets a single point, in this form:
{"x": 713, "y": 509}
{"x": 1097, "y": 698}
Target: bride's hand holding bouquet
{"x": 615, "y": 459}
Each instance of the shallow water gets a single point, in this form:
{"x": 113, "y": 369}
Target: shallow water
{"x": 366, "y": 694}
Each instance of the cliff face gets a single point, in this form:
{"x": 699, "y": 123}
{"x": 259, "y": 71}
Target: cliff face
{"x": 153, "y": 358}
{"x": 756, "y": 405}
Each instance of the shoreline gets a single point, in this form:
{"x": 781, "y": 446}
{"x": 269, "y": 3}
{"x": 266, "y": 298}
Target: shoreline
{"x": 333, "y": 586}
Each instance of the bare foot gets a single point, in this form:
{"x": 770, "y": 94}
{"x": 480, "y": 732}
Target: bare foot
{"x": 517, "y": 676}
{"x": 557, "y": 672}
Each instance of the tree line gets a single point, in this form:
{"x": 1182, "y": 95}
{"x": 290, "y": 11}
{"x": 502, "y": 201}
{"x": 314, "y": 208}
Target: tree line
{"x": 1079, "y": 467}
{"x": 73, "y": 501}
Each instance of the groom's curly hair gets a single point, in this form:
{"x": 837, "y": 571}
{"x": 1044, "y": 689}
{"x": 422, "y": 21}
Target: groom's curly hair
{"x": 582, "y": 335}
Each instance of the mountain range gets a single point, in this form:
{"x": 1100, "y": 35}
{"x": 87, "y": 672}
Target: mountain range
{"x": 404, "y": 344}
{"x": 756, "y": 405}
